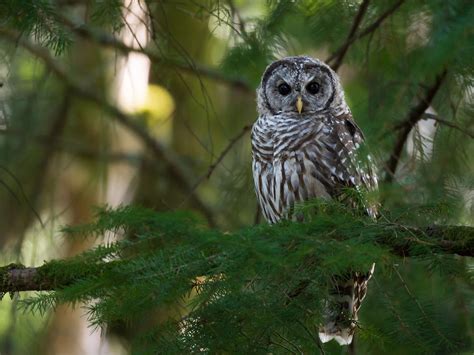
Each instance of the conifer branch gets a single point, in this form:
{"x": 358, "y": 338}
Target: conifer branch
{"x": 402, "y": 241}
{"x": 414, "y": 115}
{"x": 17, "y": 278}
{"x": 162, "y": 154}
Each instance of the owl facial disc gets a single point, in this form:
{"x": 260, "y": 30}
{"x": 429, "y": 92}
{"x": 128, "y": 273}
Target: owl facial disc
{"x": 299, "y": 86}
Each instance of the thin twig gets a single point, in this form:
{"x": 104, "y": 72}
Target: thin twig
{"x": 235, "y": 13}
{"x": 414, "y": 115}
{"x": 404, "y": 327}
{"x": 312, "y": 337}
{"x": 355, "y": 25}
{"x": 273, "y": 342}
{"x": 418, "y": 304}
{"x": 298, "y": 350}
{"x": 430, "y": 116}
{"x": 369, "y": 29}
{"x": 221, "y": 156}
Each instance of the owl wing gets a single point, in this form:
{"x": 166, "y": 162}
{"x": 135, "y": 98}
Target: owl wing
{"x": 340, "y": 165}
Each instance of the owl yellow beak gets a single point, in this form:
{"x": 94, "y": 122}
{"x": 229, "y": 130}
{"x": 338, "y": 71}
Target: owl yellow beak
{"x": 299, "y": 104}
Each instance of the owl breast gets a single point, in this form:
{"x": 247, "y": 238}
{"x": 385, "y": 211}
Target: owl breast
{"x": 298, "y": 159}
{"x": 285, "y": 168}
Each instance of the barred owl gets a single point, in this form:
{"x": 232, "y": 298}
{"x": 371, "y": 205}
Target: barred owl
{"x": 304, "y": 146}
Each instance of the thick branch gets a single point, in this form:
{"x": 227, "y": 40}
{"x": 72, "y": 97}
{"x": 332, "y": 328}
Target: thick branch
{"x": 401, "y": 240}
{"x": 131, "y": 123}
{"x": 436, "y": 239}
{"x": 18, "y": 278}
{"x": 414, "y": 115}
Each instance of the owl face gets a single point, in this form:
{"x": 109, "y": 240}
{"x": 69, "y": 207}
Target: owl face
{"x": 297, "y": 85}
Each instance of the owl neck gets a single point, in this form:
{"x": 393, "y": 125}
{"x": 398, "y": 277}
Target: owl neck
{"x": 339, "y": 105}
{"x": 335, "y": 111}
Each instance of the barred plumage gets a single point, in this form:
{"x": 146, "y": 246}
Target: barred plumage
{"x": 304, "y": 146}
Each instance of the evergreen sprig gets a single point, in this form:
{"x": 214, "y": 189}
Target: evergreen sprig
{"x": 259, "y": 289}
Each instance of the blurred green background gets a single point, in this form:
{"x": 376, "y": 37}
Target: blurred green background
{"x": 184, "y": 73}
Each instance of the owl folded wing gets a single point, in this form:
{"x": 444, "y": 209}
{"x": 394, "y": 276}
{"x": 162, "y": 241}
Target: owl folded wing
{"x": 342, "y": 169}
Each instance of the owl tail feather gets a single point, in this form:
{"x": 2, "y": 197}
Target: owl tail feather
{"x": 342, "y": 306}
{"x": 343, "y": 337}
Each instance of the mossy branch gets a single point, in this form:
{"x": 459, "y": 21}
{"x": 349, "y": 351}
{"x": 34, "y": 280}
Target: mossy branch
{"x": 16, "y": 277}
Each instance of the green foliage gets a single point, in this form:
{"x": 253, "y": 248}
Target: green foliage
{"x": 260, "y": 289}
{"x": 37, "y": 18}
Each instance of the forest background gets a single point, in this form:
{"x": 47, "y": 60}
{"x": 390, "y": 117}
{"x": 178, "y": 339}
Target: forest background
{"x": 150, "y": 103}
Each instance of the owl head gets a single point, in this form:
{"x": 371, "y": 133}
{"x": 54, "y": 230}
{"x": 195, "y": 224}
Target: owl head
{"x": 300, "y": 86}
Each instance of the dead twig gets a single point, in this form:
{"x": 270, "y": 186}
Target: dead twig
{"x": 221, "y": 156}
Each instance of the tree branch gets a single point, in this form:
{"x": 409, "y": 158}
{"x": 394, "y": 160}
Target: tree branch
{"x": 162, "y": 154}
{"x": 369, "y": 29}
{"x": 436, "y": 239}
{"x": 355, "y": 25}
{"x": 414, "y": 115}
{"x": 403, "y": 241}
{"x": 16, "y": 277}
{"x": 430, "y": 116}
{"x": 107, "y": 40}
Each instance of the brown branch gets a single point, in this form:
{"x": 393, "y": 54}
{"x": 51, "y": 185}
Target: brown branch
{"x": 368, "y": 30}
{"x": 355, "y": 25}
{"x": 19, "y": 278}
{"x": 107, "y": 40}
{"x": 162, "y": 154}
{"x": 81, "y": 151}
{"x": 235, "y": 13}
{"x": 414, "y": 115}
{"x": 436, "y": 239}
{"x": 403, "y": 241}
{"x": 430, "y": 116}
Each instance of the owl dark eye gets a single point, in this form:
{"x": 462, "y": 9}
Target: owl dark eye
{"x": 313, "y": 88}
{"x": 284, "y": 89}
